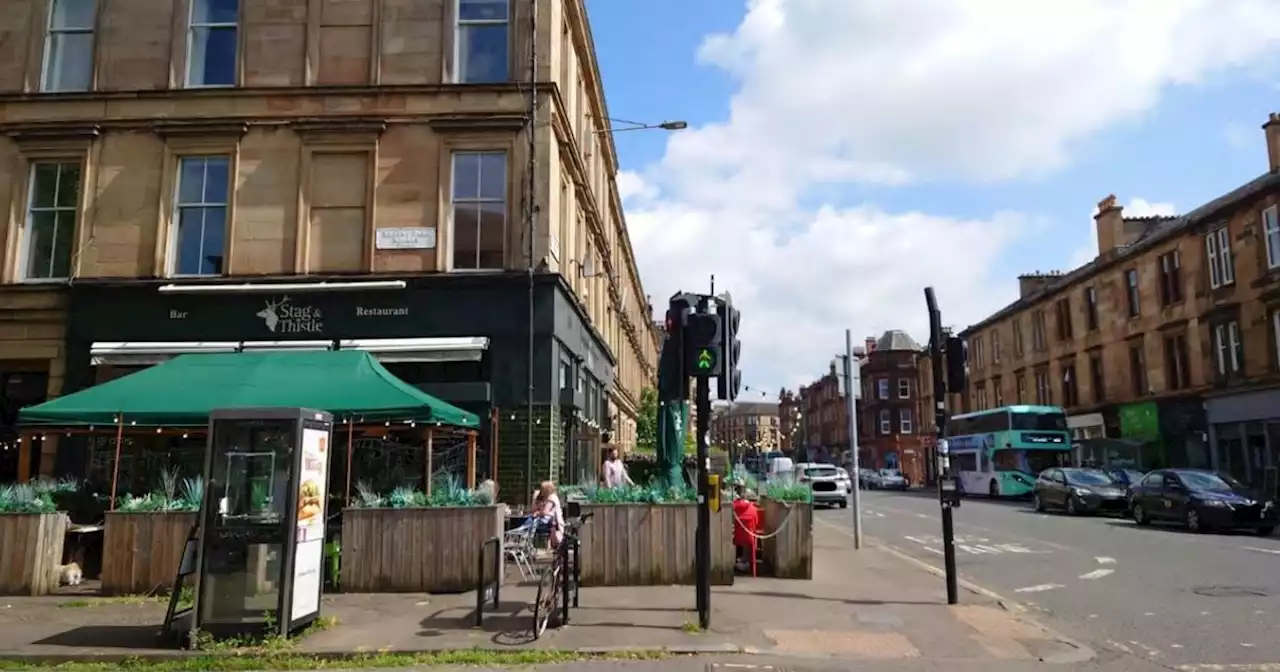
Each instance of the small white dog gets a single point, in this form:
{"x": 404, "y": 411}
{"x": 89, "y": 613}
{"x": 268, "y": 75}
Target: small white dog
{"x": 70, "y": 575}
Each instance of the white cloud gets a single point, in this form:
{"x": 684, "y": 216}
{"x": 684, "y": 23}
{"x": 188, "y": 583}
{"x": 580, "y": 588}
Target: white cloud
{"x": 1140, "y": 207}
{"x": 894, "y": 92}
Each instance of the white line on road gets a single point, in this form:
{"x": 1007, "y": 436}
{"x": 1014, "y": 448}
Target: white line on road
{"x": 1104, "y": 560}
{"x": 923, "y": 515}
{"x": 1040, "y": 588}
{"x": 1097, "y": 574}
{"x": 1262, "y": 550}
{"x": 1119, "y": 647}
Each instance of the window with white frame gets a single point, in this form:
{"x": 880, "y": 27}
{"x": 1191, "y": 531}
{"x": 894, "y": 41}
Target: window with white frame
{"x": 1227, "y": 347}
{"x": 882, "y": 388}
{"x": 68, "y": 48}
{"x": 200, "y": 216}
{"x": 1217, "y": 244}
{"x": 53, "y": 205}
{"x": 905, "y": 421}
{"x": 212, "y": 40}
{"x": 904, "y": 388}
{"x": 482, "y": 48}
{"x": 1271, "y": 229}
{"x": 479, "y": 210}
{"x": 886, "y": 423}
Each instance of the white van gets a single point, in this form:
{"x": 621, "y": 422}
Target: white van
{"x": 780, "y": 469}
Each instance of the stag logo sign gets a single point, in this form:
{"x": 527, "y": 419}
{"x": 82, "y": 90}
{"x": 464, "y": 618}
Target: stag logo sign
{"x": 283, "y": 316}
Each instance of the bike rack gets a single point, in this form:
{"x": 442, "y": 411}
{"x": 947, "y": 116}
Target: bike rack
{"x": 570, "y": 576}
{"x": 481, "y": 585}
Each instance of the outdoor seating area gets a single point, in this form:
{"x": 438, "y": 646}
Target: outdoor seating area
{"x": 144, "y": 519}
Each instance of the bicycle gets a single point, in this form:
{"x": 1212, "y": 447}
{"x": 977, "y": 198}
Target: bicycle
{"x": 551, "y": 582}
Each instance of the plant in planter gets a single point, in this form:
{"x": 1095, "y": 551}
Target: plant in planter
{"x": 788, "y": 519}
{"x": 146, "y": 534}
{"x": 32, "y": 530}
{"x": 653, "y": 493}
{"x": 437, "y": 537}
{"x": 173, "y": 494}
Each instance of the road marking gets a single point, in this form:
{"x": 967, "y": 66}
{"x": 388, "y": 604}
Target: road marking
{"x": 924, "y": 515}
{"x": 1262, "y": 550}
{"x": 1119, "y": 647}
{"x": 1149, "y": 650}
{"x": 1040, "y": 588}
{"x": 1103, "y": 560}
{"x": 1246, "y": 645}
{"x": 1230, "y": 667}
{"x": 1097, "y": 574}
{"x": 1175, "y": 646}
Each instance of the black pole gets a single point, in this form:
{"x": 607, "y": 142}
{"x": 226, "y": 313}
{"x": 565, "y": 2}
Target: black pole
{"x": 940, "y": 423}
{"x": 703, "y": 545}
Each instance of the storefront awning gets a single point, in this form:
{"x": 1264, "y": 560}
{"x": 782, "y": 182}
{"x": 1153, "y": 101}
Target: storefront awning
{"x": 144, "y": 353}
{"x": 183, "y": 391}
{"x": 466, "y": 349}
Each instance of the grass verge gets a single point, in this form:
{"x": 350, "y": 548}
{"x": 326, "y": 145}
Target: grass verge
{"x": 248, "y": 659}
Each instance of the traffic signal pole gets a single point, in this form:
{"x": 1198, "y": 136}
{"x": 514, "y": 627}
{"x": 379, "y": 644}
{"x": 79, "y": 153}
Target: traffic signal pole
{"x": 703, "y": 545}
{"x": 947, "y": 493}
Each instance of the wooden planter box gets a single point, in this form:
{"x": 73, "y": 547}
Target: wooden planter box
{"x": 414, "y": 550}
{"x": 141, "y": 551}
{"x": 789, "y": 553}
{"x": 30, "y": 552}
{"x": 652, "y": 545}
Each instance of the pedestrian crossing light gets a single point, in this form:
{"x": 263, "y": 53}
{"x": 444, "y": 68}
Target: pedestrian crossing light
{"x": 702, "y": 343}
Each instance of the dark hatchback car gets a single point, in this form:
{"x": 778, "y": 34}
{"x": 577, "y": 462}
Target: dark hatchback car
{"x": 1202, "y": 501}
{"x": 1079, "y": 491}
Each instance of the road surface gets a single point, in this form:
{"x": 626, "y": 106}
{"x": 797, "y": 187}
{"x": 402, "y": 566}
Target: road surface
{"x": 1180, "y": 600}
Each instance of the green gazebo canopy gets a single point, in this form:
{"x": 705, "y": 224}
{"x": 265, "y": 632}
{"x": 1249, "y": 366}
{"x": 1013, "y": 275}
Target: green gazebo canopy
{"x": 183, "y": 391}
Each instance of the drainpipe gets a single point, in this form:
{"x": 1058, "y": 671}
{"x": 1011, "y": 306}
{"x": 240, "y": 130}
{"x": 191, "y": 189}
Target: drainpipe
{"x": 530, "y": 217}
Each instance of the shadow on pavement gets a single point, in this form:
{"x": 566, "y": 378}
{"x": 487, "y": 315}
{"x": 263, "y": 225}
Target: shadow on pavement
{"x": 106, "y": 637}
{"x": 799, "y": 596}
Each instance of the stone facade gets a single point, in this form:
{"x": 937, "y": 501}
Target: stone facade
{"x": 340, "y": 124}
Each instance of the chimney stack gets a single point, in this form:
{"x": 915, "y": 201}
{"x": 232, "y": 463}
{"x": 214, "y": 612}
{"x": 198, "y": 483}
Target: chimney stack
{"x": 1272, "y": 131}
{"x": 870, "y": 344}
{"x": 1110, "y": 224}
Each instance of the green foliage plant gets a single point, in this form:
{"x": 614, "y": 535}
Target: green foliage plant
{"x": 446, "y": 491}
{"x": 651, "y": 493}
{"x": 171, "y": 495}
{"x": 789, "y": 492}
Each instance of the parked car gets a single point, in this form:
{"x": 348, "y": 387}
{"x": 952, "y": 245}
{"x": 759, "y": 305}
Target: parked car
{"x": 892, "y": 479}
{"x": 1127, "y": 478}
{"x": 1079, "y": 491}
{"x": 1202, "y": 500}
{"x": 868, "y": 479}
{"x": 844, "y": 476}
{"x": 826, "y": 483}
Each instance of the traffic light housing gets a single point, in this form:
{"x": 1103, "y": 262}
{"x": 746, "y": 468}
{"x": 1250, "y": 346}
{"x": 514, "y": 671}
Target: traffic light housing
{"x": 702, "y": 345}
{"x": 956, "y": 354}
{"x": 729, "y": 380}
{"x": 673, "y": 382}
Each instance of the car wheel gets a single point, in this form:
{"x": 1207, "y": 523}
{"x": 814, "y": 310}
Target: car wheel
{"x": 1071, "y": 507}
{"x": 993, "y": 490}
{"x": 1139, "y": 514}
{"x": 1037, "y": 502}
{"x": 1266, "y": 531}
{"x": 1193, "y": 521}
{"x": 844, "y": 504}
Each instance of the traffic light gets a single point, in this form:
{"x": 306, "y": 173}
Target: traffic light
{"x": 673, "y": 382}
{"x": 702, "y": 342}
{"x": 729, "y": 381}
{"x": 956, "y": 354}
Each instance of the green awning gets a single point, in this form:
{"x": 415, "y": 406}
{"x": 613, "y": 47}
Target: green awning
{"x": 182, "y": 392}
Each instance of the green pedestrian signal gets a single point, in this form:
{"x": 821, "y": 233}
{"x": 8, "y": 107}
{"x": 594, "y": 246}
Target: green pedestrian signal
{"x": 702, "y": 345}
{"x": 706, "y": 361}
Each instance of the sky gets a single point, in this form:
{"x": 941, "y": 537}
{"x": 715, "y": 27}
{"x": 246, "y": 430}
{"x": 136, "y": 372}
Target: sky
{"x": 842, "y": 155}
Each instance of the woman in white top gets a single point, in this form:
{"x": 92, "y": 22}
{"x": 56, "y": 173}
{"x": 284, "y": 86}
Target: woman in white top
{"x": 613, "y": 472}
{"x": 549, "y": 513}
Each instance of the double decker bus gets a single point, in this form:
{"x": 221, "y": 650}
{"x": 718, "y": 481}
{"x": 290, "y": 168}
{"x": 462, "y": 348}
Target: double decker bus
{"x": 999, "y": 452}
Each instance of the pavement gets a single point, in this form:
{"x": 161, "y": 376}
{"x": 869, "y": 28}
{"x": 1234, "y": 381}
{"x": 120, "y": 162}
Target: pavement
{"x": 868, "y": 606}
{"x": 1190, "y": 602}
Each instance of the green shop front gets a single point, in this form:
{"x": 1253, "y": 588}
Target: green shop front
{"x": 1160, "y": 434}
{"x": 466, "y": 340}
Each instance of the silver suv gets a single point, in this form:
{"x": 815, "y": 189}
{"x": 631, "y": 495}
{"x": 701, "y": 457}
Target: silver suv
{"x": 828, "y": 485}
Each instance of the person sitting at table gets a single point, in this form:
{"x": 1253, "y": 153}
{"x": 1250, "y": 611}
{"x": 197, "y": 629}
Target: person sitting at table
{"x": 746, "y": 520}
{"x": 548, "y": 513}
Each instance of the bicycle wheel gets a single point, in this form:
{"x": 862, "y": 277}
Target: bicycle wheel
{"x": 548, "y": 597}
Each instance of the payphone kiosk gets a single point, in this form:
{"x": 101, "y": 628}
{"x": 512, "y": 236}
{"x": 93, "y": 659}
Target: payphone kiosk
{"x": 261, "y": 536}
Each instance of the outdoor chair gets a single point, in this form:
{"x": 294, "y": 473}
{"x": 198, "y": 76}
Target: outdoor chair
{"x": 517, "y": 546}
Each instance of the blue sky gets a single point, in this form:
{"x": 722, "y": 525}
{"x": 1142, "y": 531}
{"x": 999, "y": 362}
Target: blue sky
{"x": 1174, "y": 142}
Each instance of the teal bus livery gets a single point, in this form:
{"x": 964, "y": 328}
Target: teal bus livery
{"x": 999, "y": 452}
